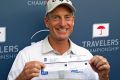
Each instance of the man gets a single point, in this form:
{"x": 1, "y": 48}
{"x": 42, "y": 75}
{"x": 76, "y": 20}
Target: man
{"x": 59, "y": 20}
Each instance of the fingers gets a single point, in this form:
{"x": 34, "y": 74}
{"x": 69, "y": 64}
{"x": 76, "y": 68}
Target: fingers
{"x": 34, "y": 64}
{"x": 30, "y": 76}
{"x": 103, "y": 67}
{"x": 99, "y": 63}
{"x": 32, "y": 69}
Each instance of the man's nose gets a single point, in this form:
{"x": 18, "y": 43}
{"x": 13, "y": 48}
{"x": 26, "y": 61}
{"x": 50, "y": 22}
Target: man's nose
{"x": 62, "y": 22}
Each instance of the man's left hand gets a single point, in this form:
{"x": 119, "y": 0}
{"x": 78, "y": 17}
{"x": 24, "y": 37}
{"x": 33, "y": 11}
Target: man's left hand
{"x": 101, "y": 66}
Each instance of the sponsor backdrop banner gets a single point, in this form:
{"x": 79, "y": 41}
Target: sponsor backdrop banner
{"x": 97, "y": 26}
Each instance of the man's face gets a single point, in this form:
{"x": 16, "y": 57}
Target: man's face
{"x": 60, "y": 23}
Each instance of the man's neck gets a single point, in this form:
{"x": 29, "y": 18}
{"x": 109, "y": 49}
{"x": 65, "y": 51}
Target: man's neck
{"x": 60, "y": 46}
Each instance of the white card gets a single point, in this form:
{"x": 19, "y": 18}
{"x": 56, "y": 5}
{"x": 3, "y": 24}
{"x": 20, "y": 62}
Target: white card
{"x": 64, "y": 68}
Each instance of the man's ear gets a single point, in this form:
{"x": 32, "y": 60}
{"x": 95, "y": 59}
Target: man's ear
{"x": 46, "y": 22}
{"x": 73, "y": 20}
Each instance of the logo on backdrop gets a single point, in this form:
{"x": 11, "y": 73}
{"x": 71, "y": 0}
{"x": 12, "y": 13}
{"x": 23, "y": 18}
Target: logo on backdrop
{"x": 101, "y": 30}
{"x": 36, "y": 2}
{"x": 6, "y": 51}
{"x": 2, "y": 34}
{"x": 39, "y": 32}
{"x": 98, "y": 44}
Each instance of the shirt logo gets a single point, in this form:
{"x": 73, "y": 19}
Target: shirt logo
{"x": 45, "y": 59}
{"x": 59, "y": 0}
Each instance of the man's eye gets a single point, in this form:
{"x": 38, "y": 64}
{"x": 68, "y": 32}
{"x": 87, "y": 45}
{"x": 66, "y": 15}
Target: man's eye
{"x": 68, "y": 17}
{"x": 55, "y": 17}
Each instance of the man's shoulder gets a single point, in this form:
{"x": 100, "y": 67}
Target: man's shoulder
{"x": 34, "y": 47}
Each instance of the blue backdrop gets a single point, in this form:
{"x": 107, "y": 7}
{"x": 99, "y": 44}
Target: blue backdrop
{"x": 21, "y": 23}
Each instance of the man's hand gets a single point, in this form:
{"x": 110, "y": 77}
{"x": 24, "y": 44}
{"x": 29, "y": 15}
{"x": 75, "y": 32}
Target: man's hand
{"x": 30, "y": 70}
{"x": 101, "y": 66}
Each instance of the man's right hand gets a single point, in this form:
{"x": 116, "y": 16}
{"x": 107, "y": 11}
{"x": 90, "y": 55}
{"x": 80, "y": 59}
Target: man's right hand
{"x": 31, "y": 70}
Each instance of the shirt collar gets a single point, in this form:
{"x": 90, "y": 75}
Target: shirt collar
{"x": 47, "y": 47}
{"x": 72, "y": 47}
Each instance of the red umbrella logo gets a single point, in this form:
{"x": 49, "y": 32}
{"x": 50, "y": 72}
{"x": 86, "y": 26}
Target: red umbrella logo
{"x": 101, "y": 28}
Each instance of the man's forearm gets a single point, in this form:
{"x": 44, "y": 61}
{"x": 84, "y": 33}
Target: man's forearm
{"x": 20, "y": 77}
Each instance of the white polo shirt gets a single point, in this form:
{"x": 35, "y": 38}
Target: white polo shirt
{"x": 43, "y": 48}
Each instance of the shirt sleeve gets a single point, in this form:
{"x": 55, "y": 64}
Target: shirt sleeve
{"x": 17, "y": 66}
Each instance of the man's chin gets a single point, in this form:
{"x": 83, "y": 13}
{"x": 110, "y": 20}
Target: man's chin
{"x": 62, "y": 38}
